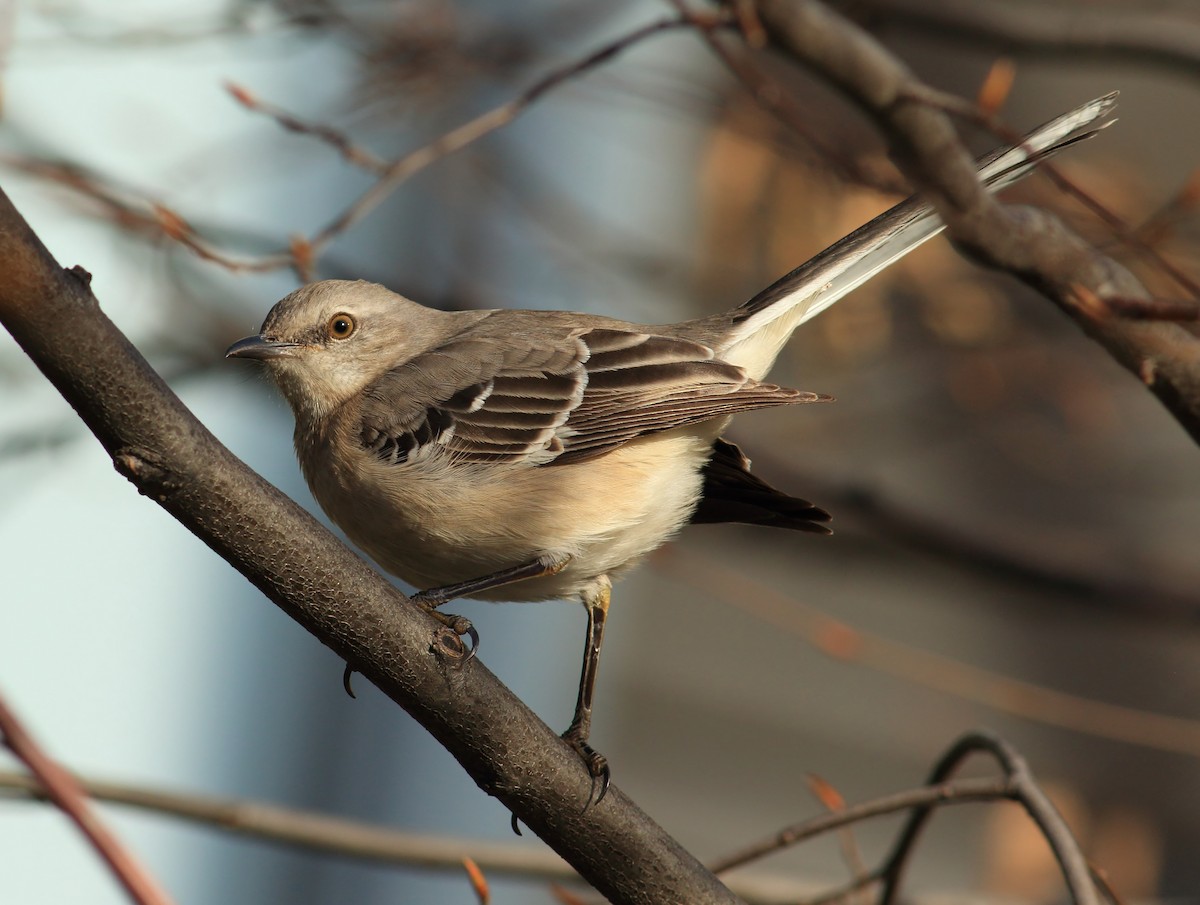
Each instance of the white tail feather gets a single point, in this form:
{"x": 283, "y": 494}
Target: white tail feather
{"x": 772, "y": 315}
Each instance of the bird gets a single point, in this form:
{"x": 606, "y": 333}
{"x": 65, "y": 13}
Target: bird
{"x": 533, "y": 455}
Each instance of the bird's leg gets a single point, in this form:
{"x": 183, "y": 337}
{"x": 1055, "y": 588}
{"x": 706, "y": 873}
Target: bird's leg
{"x": 546, "y": 564}
{"x": 596, "y": 602}
{"x": 429, "y": 600}
{"x": 432, "y": 598}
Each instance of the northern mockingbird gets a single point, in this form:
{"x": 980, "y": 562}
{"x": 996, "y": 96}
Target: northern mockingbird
{"x": 534, "y": 455}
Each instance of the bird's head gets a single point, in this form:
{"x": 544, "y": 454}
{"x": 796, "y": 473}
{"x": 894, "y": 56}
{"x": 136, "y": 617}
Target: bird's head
{"x": 328, "y": 341}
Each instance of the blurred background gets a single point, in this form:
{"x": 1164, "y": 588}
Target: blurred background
{"x": 1016, "y": 516}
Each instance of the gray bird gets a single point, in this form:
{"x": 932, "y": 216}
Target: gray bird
{"x": 534, "y": 455}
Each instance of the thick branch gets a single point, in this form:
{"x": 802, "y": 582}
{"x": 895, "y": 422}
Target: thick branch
{"x": 1026, "y": 242}
{"x": 1163, "y": 37}
{"x": 160, "y": 446}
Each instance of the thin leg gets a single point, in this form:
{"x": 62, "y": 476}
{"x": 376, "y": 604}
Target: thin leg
{"x": 581, "y": 726}
{"x": 429, "y": 600}
{"x": 536, "y": 568}
{"x": 432, "y": 598}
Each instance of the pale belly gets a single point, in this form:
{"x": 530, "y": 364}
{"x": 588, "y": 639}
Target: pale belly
{"x": 433, "y": 524}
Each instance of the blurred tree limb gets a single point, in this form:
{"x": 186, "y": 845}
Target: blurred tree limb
{"x": 1160, "y": 35}
{"x": 1024, "y": 241}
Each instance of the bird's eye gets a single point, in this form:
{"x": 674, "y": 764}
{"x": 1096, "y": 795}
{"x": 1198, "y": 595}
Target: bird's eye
{"x": 340, "y": 326}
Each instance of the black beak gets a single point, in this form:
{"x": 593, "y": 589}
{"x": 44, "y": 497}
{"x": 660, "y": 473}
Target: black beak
{"x": 261, "y": 349}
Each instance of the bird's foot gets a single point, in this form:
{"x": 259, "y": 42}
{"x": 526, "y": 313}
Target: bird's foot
{"x": 429, "y": 601}
{"x": 596, "y": 763}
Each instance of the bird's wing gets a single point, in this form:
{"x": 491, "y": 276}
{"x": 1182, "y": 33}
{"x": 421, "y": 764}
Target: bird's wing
{"x": 553, "y": 399}
{"x": 641, "y": 383}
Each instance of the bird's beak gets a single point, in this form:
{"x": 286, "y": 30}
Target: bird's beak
{"x": 261, "y": 349}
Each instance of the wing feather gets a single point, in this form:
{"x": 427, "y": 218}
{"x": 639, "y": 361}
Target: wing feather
{"x": 553, "y": 398}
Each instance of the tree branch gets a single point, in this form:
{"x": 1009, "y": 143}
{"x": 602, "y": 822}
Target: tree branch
{"x": 1026, "y": 242}
{"x": 1163, "y": 37}
{"x": 61, "y": 788}
{"x": 337, "y": 836}
{"x": 160, "y": 446}
{"x": 1058, "y": 836}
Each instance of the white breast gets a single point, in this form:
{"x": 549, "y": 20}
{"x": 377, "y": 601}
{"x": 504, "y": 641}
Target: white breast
{"x": 432, "y": 522}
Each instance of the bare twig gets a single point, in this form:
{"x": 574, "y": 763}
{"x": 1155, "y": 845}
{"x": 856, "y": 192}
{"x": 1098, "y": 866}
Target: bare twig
{"x": 457, "y": 139}
{"x": 479, "y": 883}
{"x": 1182, "y": 204}
{"x": 61, "y": 788}
{"x": 778, "y": 101}
{"x": 302, "y": 252}
{"x": 1151, "y": 309}
{"x": 139, "y": 214}
{"x": 1123, "y": 231}
{"x": 336, "y": 139}
{"x": 320, "y": 832}
{"x": 355, "y": 839}
{"x": 1025, "y": 790}
{"x": 962, "y": 792}
{"x": 831, "y": 799}
{"x": 1017, "y": 784}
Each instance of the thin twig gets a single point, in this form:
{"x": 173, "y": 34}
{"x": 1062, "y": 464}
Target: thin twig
{"x": 140, "y": 214}
{"x": 479, "y": 883}
{"x": 357, "y": 839}
{"x": 779, "y": 102}
{"x": 929, "y": 796}
{"x": 1150, "y": 309}
{"x": 457, "y": 139}
{"x": 831, "y": 799}
{"x": 320, "y": 832}
{"x": 302, "y": 252}
{"x": 62, "y": 789}
{"x": 1160, "y": 225}
{"x": 339, "y": 141}
{"x": 1025, "y": 789}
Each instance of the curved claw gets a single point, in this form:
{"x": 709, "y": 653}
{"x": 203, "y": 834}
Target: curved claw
{"x": 596, "y": 764}
{"x": 516, "y": 827}
{"x": 605, "y": 777}
{"x": 474, "y": 636}
{"x": 346, "y": 676}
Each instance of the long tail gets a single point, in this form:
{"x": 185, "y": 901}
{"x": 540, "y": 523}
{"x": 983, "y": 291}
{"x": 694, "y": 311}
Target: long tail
{"x": 763, "y": 324}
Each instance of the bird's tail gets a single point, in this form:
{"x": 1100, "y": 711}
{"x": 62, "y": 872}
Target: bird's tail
{"x": 763, "y": 324}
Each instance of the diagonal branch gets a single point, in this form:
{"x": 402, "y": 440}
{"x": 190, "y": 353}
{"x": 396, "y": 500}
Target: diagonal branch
{"x": 1161, "y": 36}
{"x": 161, "y": 447}
{"x": 1028, "y": 243}
{"x": 63, "y": 789}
